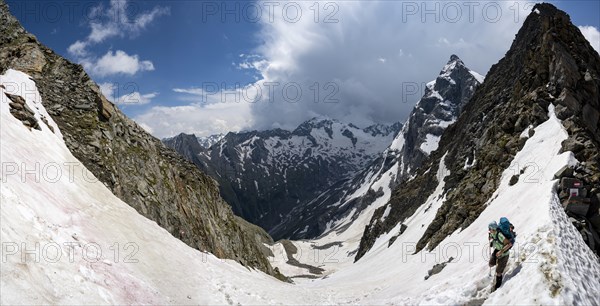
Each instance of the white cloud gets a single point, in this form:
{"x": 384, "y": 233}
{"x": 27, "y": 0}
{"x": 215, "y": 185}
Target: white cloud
{"x": 111, "y": 90}
{"x": 117, "y": 62}
{"x": 592, "y": 35}
{"x": 146, "y": 128}
{"x": 199, "y": 119}
{"x": 252, "y": 62}
{"x": 136, "y": 98}
{"x": 78, "y": 49}
{"x": 210, "y": 111}
{"x": 192, "y": 91}
{"x": 114, "y": 21}
{"x": 101, "y": 32}
{"x": 108, "y": 90}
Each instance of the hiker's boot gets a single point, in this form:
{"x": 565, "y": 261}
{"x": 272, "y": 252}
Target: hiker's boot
{"x": 498, "y": 282}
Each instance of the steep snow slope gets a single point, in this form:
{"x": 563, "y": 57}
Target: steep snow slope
{"x": 66, "y": 239}
{"x": 74, "y": 215}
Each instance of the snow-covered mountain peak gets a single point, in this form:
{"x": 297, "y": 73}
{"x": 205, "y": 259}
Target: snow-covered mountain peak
{"x": 320, "y": 119}
{"x": 439, "y": 107}
{"x": 452, "y": 64}
{"x": 329, "y": 125}
{"x": 314, "y": 123}
{"x": 454, "y": 57}
{"x": 489, "y": 132}
{"x": 454, "y": 69}
{"x": 209, "y": 141}
{"x": 204, "y": 141}
{"x": 455, "y": 63}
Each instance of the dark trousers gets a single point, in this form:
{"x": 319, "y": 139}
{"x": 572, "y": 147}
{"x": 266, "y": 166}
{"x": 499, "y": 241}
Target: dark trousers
{"x": 499, "y": 262}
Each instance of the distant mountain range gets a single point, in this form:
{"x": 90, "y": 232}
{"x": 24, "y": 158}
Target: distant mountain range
{"x": 264, "y": 175}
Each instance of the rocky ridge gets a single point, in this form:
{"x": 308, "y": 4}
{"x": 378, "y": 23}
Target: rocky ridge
{"x": 549, "y": 62}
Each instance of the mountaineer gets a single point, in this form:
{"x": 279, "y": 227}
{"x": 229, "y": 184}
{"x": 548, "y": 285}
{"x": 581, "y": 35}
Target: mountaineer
{"x": 500, "y": 244}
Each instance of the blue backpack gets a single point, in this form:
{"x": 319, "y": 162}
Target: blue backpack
{"x": 507, "y": 229}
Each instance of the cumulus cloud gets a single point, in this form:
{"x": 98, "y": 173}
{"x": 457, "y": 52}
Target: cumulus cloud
{"x": 108, "y": 89}
{"x": 114, "y": 21}
{"x": 117, "y": 62}
{"x": 210, "y": 110}
{"x": 136, "y": 98}
{"x": 147, "y": 128}
{"x": 78, "y": 49}
{"x": 592, "y": 35}
{"x": 199, "y": 119}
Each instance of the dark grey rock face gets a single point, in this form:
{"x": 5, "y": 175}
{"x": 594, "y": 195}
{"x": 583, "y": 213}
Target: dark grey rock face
{"x": 268, "y": 174}
{"x": 186, "y": 145}
{"x": 444, "y": 100}
{"x": 137, "y": 167}
{"x": 20, "y": 110}
{"x": 549, "y": 62}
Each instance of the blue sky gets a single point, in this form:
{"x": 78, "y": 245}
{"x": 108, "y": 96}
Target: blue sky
{"x": 189, "y": 66}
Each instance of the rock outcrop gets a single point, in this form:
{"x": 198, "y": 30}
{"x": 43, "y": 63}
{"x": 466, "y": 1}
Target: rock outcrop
{"x": 20, "y": 110}
{"x": 549, "y": 62}
{"x": 137, "y": 167}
